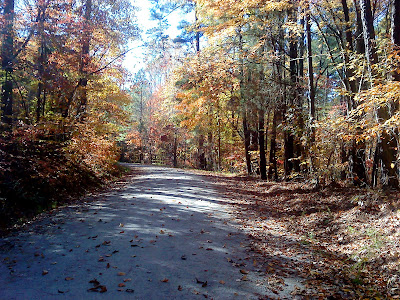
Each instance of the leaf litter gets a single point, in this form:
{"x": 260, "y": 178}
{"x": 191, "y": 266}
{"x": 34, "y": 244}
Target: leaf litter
{"x": 344, "y": 242}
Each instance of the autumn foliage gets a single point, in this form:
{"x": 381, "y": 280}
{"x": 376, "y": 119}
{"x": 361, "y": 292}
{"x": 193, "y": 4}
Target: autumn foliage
{"x": 63, "y": 102}
{"x": 287, "y": 89}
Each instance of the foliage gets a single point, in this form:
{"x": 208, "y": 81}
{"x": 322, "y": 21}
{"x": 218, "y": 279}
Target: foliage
{"x": 325, "y": 98}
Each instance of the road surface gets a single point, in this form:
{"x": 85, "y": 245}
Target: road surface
{"x": 165, "y": 235}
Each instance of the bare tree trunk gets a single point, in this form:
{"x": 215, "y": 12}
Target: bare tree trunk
{"x": 246, "y": 133}
{"x": 273, "y": 167}
{"x": 396, "y": 31}
{"x": 41, "y": 93}
{"x": 311, "y": 91}
{"x": 82, "y": 108}
{"x": 369, "y": 36}
{"x": 202, "y": 158}
{"x": 7, "y": 56}
{"x": 351, "y": 84}
{"x": 175, "y": 162}
{"x": 293, "y": 99}
{"x": 360, "y": 46}
{"x": 261, "y": 143}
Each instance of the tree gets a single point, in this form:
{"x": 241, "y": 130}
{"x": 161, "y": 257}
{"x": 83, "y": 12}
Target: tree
{"x": 7, "y": 63}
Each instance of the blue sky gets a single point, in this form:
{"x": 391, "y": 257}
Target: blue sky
{"x": 134, "y": 59}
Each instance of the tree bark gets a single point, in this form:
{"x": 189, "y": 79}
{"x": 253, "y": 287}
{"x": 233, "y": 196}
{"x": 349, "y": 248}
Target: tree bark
{"x": 369, "y": 36}
{"x": 273, "y": 167}
{"x": 261, "y": 143}
{"x": 82, "y": 108}
{"x": 360, "y": 46}
{"x": 293, "y": 100}
{"x": 40, "y": 96}
{"x": 396, "y": 31}
{"x": 7, "y": 57}
{"x": 351, "y": 84}
{"x": 201, "y": 154}
{"x": 311, "y": 91}
{"x": 246, "y": 133}
{"x": 175, "y": 161}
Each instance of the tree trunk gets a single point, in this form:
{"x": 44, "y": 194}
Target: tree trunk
{"x": 246, "y": 133}
{"x": 81, "y": 113}
{"x": 396, "y": 31}
{"x": 175, "y": 162}
{"x": 273, "y": 167}
{"x": 369, "y": 36}
{"x": 311, "y": 91}
{"x": 7, "y": 57}
{"x": 386, "y": 149}
{"x": 261, "y": 143}
{"x": 360, "y": 46}
{"x": 40, "y": 96}
{"x": 202, "y": 157}
{"x": 293, "y": 100}
{"x": 210, "y": 144}
{"x": 351, "y": 84}
{"x": 197, "y": 29}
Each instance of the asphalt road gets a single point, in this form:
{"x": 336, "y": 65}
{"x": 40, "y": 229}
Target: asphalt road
{"x": 165, "y": 235}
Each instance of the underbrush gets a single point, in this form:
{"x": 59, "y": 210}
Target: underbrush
{"x": 40, "y": 170}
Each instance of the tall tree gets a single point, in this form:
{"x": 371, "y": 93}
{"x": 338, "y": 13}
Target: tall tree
{"x": 7, "y": 62}
{"x": 369, "y": 36}
{"x": 84, "y": 61}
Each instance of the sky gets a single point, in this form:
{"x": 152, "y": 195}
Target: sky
{"x": 134, "y": 60}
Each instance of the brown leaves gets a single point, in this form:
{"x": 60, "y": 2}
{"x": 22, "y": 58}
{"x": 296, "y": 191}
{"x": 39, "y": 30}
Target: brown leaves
{"x": 97, "y": 286}
{"x": 203, "y": 283}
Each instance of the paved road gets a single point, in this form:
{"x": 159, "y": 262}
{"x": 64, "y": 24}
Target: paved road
{"x": 165, "y": 235}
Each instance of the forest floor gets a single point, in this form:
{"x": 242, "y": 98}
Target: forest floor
{"x": 344, "y": 241}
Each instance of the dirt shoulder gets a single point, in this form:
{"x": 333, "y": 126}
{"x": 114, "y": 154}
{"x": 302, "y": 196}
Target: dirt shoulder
{"x": 344, "y": 242}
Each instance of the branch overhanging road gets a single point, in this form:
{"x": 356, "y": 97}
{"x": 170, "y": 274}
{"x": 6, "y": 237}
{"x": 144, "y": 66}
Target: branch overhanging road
{"x": 165, "y": 235}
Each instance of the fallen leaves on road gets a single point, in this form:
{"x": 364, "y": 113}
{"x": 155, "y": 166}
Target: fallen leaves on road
{"x": 97, "y": 286}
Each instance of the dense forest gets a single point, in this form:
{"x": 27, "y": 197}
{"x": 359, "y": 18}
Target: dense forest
{"x": 63, "y": 99}
{"x": 282, "y": 89}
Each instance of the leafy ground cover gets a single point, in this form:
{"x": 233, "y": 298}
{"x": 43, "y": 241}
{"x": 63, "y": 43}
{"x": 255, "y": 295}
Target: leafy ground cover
{"x": 344, "y": 242}
{"x": 38, "y": 173}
